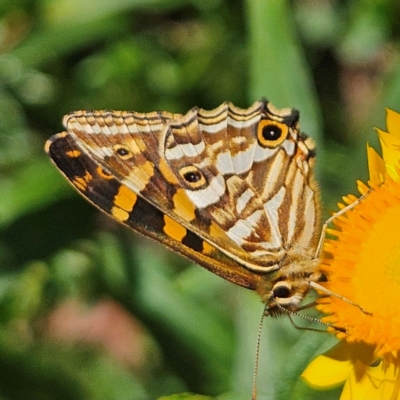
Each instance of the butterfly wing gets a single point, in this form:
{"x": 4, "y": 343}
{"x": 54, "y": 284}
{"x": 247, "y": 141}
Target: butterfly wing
{"x": 236, "y": 181}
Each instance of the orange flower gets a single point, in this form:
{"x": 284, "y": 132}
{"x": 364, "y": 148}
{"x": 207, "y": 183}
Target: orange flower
{"x": 363, "y": 265}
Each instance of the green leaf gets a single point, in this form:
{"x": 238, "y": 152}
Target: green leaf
{"x": 186, "y": 396}
{"x": 29, "y": 188}
{"x": 278, "y": 69}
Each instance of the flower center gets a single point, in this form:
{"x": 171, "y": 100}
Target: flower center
{"x": 365, "y": 267}
{"x": 392, "y": 266}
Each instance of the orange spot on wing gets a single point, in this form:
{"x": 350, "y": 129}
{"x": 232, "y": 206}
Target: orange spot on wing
{"x": 81, "y": 182}
{"x": 73, "y": 153}
{"x": 119, "y": 214}
{"x": 207, "y": 248}
{"x": 173, "y": 229}
{"x": 124, "y": 202}
{"x": 183, "y": 206}
{"x": 148, "y": 167}
{"x": 102, "y": 174}
{"x": 167, "y": 172}
{"x": 216, "y": 231}
{"x": 125, "y": 198}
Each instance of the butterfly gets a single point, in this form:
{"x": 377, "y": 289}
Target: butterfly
{"x": 231, "y": 189}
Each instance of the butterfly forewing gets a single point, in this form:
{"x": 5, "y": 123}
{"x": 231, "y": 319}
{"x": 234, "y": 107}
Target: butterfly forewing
{"x": 99, "y": 186}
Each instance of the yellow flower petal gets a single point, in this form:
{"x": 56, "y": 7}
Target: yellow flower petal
{"x": 325, "y": 372}
{"x": 393, "y": 122}
{"x": 390, "y": 151}
{"x": 336, "y": 365}
{"x": 376, "y": 166}
{"x": 381, "y": 382}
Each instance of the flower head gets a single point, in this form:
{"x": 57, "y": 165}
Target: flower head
{"x": 363, "y": 265}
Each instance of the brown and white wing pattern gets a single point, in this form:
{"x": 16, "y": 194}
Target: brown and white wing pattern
{"x": 230, "y": 188}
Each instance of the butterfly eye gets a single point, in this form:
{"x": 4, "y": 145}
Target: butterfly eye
{"x": 193, "y": 176}
{"x": 271, "y": 133}
{"x": 282, "y": 290}
{"x": 123, "y": 151}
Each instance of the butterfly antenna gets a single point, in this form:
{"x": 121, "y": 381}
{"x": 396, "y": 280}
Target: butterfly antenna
{"x": 255, "y": 372}
{"x": 308, "y": 318}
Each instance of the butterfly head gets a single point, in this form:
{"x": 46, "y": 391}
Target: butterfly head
{"x": 287, "y": 294}
{"x": 288, "y": 288}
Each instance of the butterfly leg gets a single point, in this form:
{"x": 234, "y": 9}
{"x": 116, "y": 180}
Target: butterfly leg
{"x": 320, "y": 288}
{"x": 316, "y": 285}
{"x": 334, "y": 216}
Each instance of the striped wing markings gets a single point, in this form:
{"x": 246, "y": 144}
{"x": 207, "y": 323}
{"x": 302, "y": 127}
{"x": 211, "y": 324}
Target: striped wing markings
{"x": 228, "y": 124}
{"x": 92, "y": 132}
{"x": 242, "y": 209}
{"x": 101, "y": 188}
{"x": 249, "y": 213}
{"x": 265, "y": 178}
{"x": 153, "y": 174}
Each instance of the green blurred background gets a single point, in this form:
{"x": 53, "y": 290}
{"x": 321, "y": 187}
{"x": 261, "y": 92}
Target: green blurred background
{"x": 89, "y": 310}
